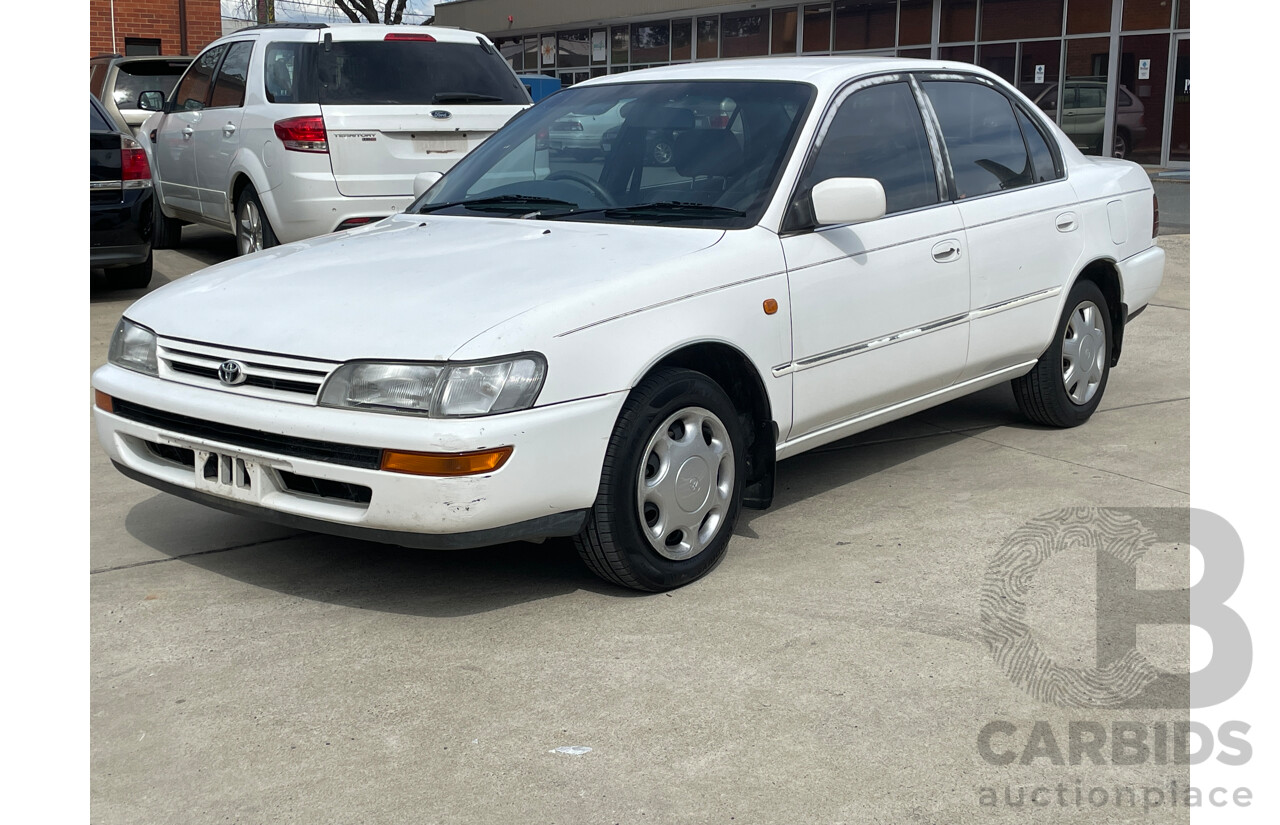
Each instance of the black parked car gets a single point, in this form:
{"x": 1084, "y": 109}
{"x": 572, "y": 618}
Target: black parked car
{"x": 120, "y": 203}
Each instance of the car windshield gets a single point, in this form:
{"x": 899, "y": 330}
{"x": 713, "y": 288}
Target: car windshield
{"x": 689, "y": 153}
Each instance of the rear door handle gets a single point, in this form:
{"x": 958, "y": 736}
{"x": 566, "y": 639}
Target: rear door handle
{"x": 229, "y": 129}
{"x": 1066, "y": 222}
{"x": 946, "y": 251}
{"x": 187, "y": 132}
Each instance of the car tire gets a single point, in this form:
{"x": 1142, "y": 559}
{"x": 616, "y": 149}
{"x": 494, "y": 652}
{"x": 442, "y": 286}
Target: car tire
{"x": 1121, "y": 148}
{"x": 166, "y": 232}
{"x": 253, "y": 230}
{"x": 137, "y": 276}
{"x": 662, "y": 153}
{"x": 1067, "y": 383}
{"x": 670, "y": 487}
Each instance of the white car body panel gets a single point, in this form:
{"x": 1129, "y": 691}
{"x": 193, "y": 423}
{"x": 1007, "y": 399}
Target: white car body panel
{"x": 844, "y": 327}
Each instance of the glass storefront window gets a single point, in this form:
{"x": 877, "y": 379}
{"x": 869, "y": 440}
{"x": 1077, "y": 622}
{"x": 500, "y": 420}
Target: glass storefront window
{"x": 1184, "y": 14}
{"x": 1146, "y": 14}
{"x": 1144, "y": 76}
{"x": 783, "y": 38}
{"x": 919, "y": 54}
{"x": 1084, "y": 94}
{"x": 1180, "y": 125}
{"x": 620, "y": 45}
{"x": 651, "y": 42}
{"x": 1088, "y": 16}
{"x": 744, "y": 35}
{"x": 708, "y": 37}
{"x": 512, "y": 50}
{"x": 865, "y": 24}
{"x": 999, "y": 58}
{"x": 574, "y": 48}
{"x": 817, "y": 28}
{"x": 915, "y": 22}
{"x": 964, "y": 54}
{"x": 1039, "y": 72}
{"x": 531, "y": 45}
{"x": 959, "y": 17}
{"x": 1014, "y": 19}
{"x": 681, "y": 39}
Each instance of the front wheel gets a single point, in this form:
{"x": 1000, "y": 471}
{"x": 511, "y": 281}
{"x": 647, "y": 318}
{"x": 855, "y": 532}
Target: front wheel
{"x": 671, "y": 486}
{"x": 1066, "y": 384}
{"x": 253, "y": 230}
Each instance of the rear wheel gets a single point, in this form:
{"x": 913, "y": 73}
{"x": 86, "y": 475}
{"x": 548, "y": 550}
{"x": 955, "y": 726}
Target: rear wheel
{"x": 662, "y": 152}
{"x": 1066, "y": 384}
{"x": 253, "y": 230}
{"x": 166, "y": 233}
{"x": 671, "y": 486}
{"x": 130, "y": 277}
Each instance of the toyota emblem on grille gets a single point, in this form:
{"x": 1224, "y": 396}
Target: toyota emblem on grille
{"x": 231, "y": 373}
{"x": 441, "y": 114}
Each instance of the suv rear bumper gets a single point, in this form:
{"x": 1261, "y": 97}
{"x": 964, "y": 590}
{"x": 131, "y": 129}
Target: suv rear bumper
{"x": 312, "y": 205}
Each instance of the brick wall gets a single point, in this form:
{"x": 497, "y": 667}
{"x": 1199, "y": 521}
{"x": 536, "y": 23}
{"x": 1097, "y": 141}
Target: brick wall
{"x": 155, "y": 19}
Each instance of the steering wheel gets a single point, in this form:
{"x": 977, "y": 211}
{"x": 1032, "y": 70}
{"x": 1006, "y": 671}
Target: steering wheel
{"x": 586, "y": 183}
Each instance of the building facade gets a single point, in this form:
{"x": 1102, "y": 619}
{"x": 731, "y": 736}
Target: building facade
{"x": 1112, "y": 73}
{"x": 153, "y": 26}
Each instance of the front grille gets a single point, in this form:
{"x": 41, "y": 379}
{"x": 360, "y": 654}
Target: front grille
{"x": 276, "y": 377}
{"x": 349, "y": 455}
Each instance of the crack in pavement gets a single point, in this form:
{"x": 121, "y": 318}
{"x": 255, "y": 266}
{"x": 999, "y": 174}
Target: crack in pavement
{"x": 189, "y": 555}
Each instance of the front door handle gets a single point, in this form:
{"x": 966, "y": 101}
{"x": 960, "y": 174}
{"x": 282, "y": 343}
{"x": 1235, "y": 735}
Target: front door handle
{"x": 946, "y": 251}
{"x": 229, "y": 129}
{"x": 187, "y": 132}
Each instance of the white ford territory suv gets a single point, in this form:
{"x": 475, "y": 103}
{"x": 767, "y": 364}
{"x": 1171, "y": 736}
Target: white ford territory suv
{"x": 282, "y": 132}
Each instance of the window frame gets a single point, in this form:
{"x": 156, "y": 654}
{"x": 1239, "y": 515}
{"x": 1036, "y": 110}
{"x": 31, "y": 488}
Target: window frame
{"x": 1032, "y": 113}
{"x": 217, "y": 76}
{"x": 172, "y": 104}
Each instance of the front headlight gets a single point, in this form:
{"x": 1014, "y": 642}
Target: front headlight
{"x": 439, "y": 390}
{"x": 133, "y": 347}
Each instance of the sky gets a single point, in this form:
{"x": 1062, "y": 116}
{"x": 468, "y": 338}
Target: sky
{"x": 318, "y": 10}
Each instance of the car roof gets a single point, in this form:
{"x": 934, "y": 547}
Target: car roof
{"x": 136, "y": 58}
{"x": 822, "y": 71}
{"x": 343, "y": 32}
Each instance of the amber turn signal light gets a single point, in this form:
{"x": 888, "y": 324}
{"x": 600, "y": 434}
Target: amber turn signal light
{"x": 102, "y": 401}
{"x": 445, "y": 464}
{"x": 770, "y": 306}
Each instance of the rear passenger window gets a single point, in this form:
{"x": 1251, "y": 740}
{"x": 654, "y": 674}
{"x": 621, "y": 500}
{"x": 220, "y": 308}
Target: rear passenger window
{"x": 1041, "y": 157}
{"x": 193, "y": 90}
{"x": 232, "y": 77}
{"x": 98, "y": 123}
{"x": 878, "y": 133}
{"x": 982, "y": 137}
{"x": 282, "y": 73}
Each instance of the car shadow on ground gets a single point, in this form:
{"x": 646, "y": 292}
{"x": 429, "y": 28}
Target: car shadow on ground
{"x": 386, "y": 578}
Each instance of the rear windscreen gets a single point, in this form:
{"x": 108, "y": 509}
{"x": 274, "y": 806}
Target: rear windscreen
{"x": 133, "y": 79}
{"x": 413, "y": 72}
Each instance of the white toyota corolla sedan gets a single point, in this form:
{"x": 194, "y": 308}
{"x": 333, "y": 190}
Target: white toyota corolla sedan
{"x": 621, "y": 351}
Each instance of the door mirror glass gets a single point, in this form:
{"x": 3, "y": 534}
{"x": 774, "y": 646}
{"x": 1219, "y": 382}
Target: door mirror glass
{"x": 847, "y": 200}
{"x": 151, "y": 101}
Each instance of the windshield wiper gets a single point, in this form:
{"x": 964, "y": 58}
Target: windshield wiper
{"x": 674, "y": 210}
{"x": 463, "y": 97}
{"x": 500, "y": 203}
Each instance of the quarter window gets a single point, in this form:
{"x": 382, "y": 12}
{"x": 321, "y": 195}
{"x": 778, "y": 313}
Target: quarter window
{"x": 982, "y": 136}
{"x": 228, "y": 90}
{"x": 193, "y": 91}
{"x": 1041, "y": 158}
{"x": 878, "y": 133}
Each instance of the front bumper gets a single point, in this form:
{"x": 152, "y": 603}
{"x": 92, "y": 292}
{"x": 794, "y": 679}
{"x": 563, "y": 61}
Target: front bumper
{"x": 543, "y": 489}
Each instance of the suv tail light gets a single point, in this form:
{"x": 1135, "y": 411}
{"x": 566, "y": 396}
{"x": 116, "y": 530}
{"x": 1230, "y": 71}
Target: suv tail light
{"x": 426, "y": 38}
{"x": 1155, "y": 215}
{"x": 303, "y": 134}
{"x": 135, "y": 171}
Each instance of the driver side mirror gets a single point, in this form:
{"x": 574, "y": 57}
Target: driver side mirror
{"x": 424, "y": 181}
{"x": 847, "y": 200}
{"x": 151, "y": 101}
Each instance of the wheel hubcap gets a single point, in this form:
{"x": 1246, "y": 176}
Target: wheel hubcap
{"x": 1084, "y": 352}
{"x": 686, "y": 483}
{"x": 250, "y": 228}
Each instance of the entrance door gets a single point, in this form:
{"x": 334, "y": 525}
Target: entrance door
{"x": 1179, "y": 127}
